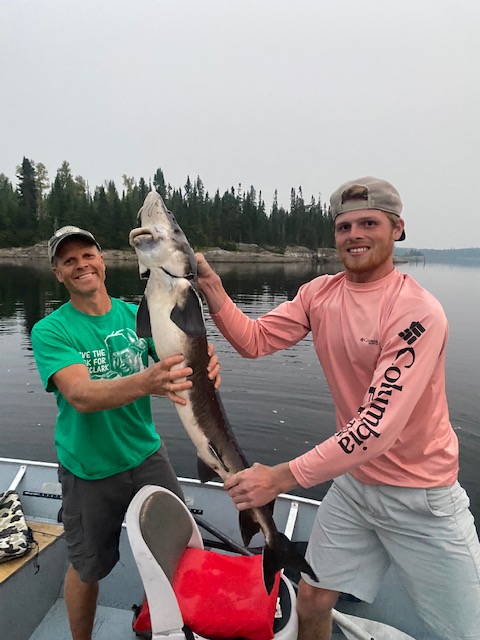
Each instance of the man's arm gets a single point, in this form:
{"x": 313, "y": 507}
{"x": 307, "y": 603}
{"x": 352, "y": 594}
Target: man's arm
{"x": 87, "y": 395}
{"x": 278, "y": 329}
{"x": 210, "y": 284}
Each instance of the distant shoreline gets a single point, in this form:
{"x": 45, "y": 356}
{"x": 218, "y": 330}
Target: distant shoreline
{"x": 246, "y": 253}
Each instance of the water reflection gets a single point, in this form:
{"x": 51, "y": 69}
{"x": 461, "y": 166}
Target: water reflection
{"x": 29, "y": 292}
{"x": 36, "y": 292}
{"x": 257, "y": 280}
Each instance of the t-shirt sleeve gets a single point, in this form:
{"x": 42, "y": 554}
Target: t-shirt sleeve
{"x": 52, "y": 352}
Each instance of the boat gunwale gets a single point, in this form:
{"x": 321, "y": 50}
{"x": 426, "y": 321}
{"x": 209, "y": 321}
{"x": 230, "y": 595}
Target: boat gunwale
{"x": 192, "y": 481}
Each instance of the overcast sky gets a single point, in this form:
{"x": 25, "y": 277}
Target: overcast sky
{"x": 270, "y": 93}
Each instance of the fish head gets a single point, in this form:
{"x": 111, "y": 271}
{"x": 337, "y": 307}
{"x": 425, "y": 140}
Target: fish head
{"x": 159, "y": 241}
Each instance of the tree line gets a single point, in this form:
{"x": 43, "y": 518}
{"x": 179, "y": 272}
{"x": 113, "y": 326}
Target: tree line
{"x": 33, "y": 209}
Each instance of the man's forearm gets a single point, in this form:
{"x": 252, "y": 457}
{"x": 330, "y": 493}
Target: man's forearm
{"x": 210, "y": 284}
{"x": 86, "y": 395}
{"x": 285, "y": 480}
{"x": 212, "y": 289}
{"x": 99, "y": 395}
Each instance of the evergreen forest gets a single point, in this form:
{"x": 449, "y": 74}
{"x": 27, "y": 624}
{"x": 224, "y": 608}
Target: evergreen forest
{"x": 33, "y": 209}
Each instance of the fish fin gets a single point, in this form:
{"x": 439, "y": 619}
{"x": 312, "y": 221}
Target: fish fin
{"x": 189, "y": 317}
{"x": 279, "y": 554}
{"x": 143, "y": 271}
{"x": 205, "y": 472}
{"x": 215, "y": 453}
{"x": 144, "y": 328}
{"x": 248, "y": 526}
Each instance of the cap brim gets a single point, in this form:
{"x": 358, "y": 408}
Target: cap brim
{"x": 54, "y": 245}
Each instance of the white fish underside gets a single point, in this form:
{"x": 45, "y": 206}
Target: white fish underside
{"x": 170, "y": 340}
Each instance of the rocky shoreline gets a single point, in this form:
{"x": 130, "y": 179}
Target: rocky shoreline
{"x": 245, "y": 253}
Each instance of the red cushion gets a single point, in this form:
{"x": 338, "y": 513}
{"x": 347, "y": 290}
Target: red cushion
{"x": 141, "y": 622}
{"x": 222, "y": 596}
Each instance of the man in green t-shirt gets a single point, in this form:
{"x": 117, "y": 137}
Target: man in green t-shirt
{"x": 89, "y": 355}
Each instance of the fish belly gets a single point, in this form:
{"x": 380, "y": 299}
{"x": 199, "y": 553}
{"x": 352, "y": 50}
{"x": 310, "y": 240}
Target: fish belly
{"x": 169, "y": 340}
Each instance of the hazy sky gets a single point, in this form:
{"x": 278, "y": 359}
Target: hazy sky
{"x": 270, "y": 93}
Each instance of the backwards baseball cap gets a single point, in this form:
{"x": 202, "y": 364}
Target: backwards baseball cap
{"x": 67, "y": 232}
{"x": 366, "y": 193}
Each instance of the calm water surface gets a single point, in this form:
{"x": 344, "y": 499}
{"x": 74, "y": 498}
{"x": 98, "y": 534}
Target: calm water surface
{"x": 279, "y": 406}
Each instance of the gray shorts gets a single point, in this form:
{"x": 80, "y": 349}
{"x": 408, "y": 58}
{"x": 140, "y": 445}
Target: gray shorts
{"x": 428, "y": 535}
{"x": 93, "y": 512}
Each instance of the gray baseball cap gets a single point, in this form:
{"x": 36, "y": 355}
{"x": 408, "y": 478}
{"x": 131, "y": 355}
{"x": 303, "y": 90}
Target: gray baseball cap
{"x": 366, "y": 193}
{"x": 67, "y": 232}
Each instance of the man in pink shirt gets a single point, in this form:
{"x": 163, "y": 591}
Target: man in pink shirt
{"x": 395, "y": 498}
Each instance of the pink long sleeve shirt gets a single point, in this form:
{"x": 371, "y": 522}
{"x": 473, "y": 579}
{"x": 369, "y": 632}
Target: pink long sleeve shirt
{"x": 382, "y": 349}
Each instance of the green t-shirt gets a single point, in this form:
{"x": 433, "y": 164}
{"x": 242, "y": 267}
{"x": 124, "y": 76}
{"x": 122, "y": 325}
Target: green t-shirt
{"x": 100, "y": 444}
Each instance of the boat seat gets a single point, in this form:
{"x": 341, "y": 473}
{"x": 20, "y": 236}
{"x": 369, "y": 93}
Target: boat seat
{"x": 160, "y": 527}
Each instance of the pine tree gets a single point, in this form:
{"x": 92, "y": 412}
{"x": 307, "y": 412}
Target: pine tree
{"x": 9, "y": 212}
{"x": 66, "y": 202}
{"x": 159, "y": 183}
{"x": 42, "y": 184}
{"x": 27, "y": 219}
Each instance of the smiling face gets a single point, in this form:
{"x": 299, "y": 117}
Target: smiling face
{"x": 80, "y": 267}
{"x": 364, "y": 241}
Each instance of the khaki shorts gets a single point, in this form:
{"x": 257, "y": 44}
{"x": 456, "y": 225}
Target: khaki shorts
{"x": 93, "y": 512}
{"x": 428, "y": 535}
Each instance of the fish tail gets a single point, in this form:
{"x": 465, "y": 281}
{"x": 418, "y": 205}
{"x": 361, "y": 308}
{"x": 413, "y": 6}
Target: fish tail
{"x": 280, "y": 552}
{"x": 248, "y": 526}
{"x": 249, "y": 523}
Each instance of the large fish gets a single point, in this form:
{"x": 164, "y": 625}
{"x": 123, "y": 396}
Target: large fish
{"x": 171, "y": 313}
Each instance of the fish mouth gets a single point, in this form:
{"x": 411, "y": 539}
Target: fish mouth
{"x": 142, "y": 234}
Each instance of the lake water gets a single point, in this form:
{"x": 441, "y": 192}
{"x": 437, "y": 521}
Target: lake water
{"x": 279, "y": 406}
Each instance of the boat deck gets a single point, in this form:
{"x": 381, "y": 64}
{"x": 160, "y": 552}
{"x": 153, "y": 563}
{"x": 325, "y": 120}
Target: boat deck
{"x": 110, "y": 624}
{"x": 34, "y": 575}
